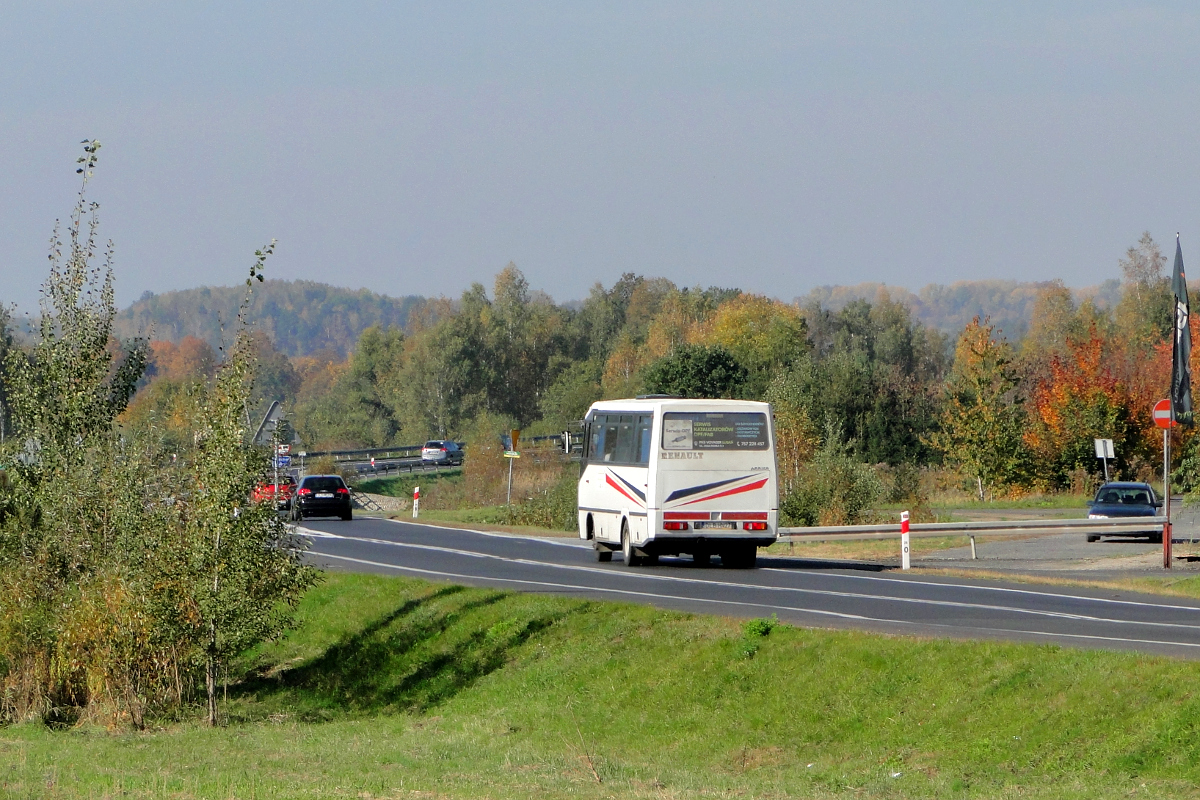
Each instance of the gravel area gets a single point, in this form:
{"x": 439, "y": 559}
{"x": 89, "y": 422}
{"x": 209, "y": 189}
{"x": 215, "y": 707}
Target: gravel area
{"x": 1071, "y": 552}
{"x": 386, "y": 503}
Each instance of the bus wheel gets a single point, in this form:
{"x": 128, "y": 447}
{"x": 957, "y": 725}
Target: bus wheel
{"x": 701, "y": 559}
{"x": 632, "y": 559}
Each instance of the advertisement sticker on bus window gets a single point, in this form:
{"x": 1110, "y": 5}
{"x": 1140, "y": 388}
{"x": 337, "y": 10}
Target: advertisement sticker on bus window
{"x": 677, "y": 434}
{"x": 713, "y": 431}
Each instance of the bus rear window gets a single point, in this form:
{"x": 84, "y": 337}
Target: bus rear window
{"x": 715, "y": 431}
{"x": 620, "y": 438}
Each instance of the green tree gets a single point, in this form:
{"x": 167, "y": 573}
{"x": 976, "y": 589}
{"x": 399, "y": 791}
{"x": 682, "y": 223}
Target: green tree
{"x": 6, "y": 344}
{"x": 242, "y": 568}
{"x": 79, "y": 497}
{"x": 982, "y": 420}
{"x": 796, "y": 437}
{"x": 697, "y": 371}
{"x": 359, "y": 411}
{"x": 431, "y": 394}
{"x": 874, "y": 370}
{"x": 567, "y": 400}
{"x": 125, "y": 573}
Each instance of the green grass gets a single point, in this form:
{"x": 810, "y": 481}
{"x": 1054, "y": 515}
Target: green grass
{"x": 1058, "y": 500}
{"x": 864, "y": 549}
{"x": 400, "y": 688}
{"x": 402, "y": 485}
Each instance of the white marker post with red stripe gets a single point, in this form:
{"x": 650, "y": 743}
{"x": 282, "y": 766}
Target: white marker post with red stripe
{"x": 416, "y": 500}
{"x": 904, "y": 552}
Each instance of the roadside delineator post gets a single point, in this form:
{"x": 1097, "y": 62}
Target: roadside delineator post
{"x": 416, "y": 500}
{"x": 904, "y": 551}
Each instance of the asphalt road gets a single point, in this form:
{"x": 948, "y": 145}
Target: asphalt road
{"x": 802, "y": 592}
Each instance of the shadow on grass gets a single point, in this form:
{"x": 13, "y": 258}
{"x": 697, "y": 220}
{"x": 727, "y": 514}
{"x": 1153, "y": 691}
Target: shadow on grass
{"x": 419, "y": 655}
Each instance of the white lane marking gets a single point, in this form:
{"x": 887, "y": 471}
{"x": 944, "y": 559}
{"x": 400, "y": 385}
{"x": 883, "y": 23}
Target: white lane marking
{"x": 1007, "y": 589}
{"x": 563, "y": 542}
{"x": 905, "y": 581}
{"x": 838, "y": 614}
{"x": 743, "y": 586}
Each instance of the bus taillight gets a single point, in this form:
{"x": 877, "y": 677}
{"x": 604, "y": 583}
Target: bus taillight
{"x": 675, "y": 526}
{"x": 755, "y": 526}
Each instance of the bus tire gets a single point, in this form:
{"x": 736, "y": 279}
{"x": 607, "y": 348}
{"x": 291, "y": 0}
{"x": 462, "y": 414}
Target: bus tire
{"x": 701, "y": 559}
{"x": 632, "y": 559}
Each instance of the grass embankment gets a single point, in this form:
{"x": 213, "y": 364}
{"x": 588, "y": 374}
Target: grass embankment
{"x": 402, "y": 485}
{"x": 399, "y": 688}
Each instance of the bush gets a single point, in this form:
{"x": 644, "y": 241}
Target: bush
{"x": 761, "y": 627}
{"x": 555, "y": 507}
{"x": 834, "y": 489}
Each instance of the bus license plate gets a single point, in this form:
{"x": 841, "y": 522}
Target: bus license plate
{"x": 716, "y": 526}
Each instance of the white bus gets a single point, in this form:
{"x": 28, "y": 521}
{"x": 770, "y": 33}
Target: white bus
{"x": 665, "y": 476}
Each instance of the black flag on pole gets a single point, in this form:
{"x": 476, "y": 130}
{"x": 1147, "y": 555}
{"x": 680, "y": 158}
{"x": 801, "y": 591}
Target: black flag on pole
{"x": 1181, "y": 346}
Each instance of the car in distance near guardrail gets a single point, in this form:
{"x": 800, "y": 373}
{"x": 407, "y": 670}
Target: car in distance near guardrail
{"x": 322, "y": 496}
{"x": 446, "y": 453}
{"x": 282, "y": 494}
{"x": 1125, "y": 499}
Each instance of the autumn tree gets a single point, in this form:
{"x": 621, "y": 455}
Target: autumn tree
{"x": 763, "y": 334}
{"x": 1079, "y": 400}
{"x": 982, "y": 420}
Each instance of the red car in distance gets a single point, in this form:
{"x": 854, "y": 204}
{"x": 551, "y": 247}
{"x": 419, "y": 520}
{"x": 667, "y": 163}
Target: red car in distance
{"x": 283, "y": 494}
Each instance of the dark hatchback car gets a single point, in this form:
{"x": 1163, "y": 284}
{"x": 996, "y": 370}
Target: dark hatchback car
{"x": 1126, "y": 499}
{"x": 322, "y": 496}
{"x": 445, "y": 453}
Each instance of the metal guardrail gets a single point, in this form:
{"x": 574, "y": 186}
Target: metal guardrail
{"x": 1113, "y": 526}
{"x": 388, "y": 467}
{"x": 399, "y": 451}
{"x": 573, "y": 440}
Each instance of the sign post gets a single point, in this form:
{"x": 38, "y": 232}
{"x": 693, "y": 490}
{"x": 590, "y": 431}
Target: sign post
{"x": 510, "y": 454}
{"x": 1164, "y": 417}
{"x": 1104, "y": 450}
{"x": 416, "y": 500}
{"x": 905, "y": 556}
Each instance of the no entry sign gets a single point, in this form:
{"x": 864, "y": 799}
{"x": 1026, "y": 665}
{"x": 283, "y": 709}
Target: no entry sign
{"x": 1162, "y": 414}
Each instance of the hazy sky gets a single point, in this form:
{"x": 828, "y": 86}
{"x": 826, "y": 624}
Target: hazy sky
{"x": 415, "y": 148}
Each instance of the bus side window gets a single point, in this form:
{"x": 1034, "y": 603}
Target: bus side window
{"x": 596, "y": 448}
{"x": 586, "y": 445}
{"x": 644, "y": 425}
{"x": 611, "y": 440}
{"x": 626, "y": 450}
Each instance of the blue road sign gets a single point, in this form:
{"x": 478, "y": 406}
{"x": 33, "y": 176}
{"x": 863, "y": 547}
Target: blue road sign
{"x": 283, "y": 461}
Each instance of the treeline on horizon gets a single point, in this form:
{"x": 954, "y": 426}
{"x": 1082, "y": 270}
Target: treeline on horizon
{"x": 306, "y": 317}
{"x": 865, "y": 384}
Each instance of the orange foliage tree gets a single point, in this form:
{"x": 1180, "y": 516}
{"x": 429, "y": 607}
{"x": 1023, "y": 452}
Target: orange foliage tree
{"x": 1081, "y": 398}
